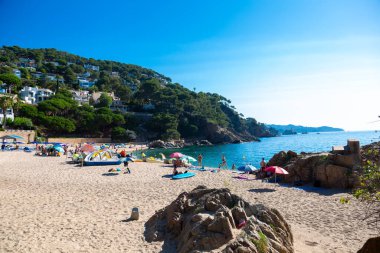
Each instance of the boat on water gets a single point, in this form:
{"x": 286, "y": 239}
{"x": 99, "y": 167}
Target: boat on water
{"x": 99, "y": 158}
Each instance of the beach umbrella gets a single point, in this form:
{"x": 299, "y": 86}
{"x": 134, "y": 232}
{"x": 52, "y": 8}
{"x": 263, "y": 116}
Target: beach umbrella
{"x": 176, "y": 155}
{"x": 276, "y": 170}
{"x": 188, "y": 158}
{"x": 248, "y": 168}
{"x": 59, "y": 149}
{"x": 88, "y": 148}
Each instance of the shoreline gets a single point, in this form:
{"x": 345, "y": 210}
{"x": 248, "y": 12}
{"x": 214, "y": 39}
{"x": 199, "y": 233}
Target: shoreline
{"x": 48, "y": 205}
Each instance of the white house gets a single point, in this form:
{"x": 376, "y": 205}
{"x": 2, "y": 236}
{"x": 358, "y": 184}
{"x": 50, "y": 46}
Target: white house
{"x": 17, "y": 73}
{"x": 9, "y": 114}
{"x": 91, "y": 67}
{"x": 34, "y": 95}
{"x": 81, "y": 96}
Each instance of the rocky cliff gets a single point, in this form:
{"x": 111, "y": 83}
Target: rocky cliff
{"x": 215, "y": 220}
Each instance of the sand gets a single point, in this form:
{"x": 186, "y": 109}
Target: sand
{"x": 47, "y": 205}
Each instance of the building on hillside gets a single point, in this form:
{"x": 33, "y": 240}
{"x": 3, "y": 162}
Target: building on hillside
{"x": 9, "y": 115}
{"x": 96, "y": 96}
{"x": 34, "y": 95}
{"x": 81, "y": 96}
{"x": 133, "y": 86}
{"x": 54, "y": 63}
{"x": 31, "y": 69}
{"x": 38, "y": 75}
{"x": 118, "y": 105}
{"x": 91, "y": 67}
{"x": 54, "y": 77}
{"x": 114, "y": 74}
{"x": 86, "y": 84}
{"x": 149, "y": 106}
{"x": 26, "y": 62}
{"x": 86, "y": 74}
{"x": 17, "y": 73}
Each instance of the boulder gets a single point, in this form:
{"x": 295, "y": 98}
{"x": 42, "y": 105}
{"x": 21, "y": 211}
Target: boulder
{"x": 215, "y": 220}
{"x": 204, "y": 143}
{"x": 372, "y": 245}
{"x": 156, "y": 144}
{"x": 282, "y": 158}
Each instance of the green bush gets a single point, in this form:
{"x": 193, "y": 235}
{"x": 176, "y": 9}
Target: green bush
{"x": 123, "y": 135}
{"x": 262, "y": 243}
{"x": 171, "y": 134}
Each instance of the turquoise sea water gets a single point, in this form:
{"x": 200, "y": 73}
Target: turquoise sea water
{"x": 252, "y": 152}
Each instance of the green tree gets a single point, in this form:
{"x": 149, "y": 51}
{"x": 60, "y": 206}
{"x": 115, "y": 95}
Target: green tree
{"x": 12, "y": 81}
{"x": 123, "y": 92}
{"x": 22, "y": 123}
{"x": 117, "y": 119}
{"x": 104, "y": 101}
{"x": 58, "y": 124}
{"x": 70, "y": 77}
{"x": 28, "y": 111}
{"x": 6, "y": 102}
{"x": 123, "y": 135}
{"x": 171, "y": 134}
{"x": 25, "y": 73}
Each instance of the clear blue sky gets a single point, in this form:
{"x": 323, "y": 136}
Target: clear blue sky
{"x": 296, "y": 61}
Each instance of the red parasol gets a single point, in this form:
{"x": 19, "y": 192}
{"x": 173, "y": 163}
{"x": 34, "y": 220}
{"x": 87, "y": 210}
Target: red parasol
{"x": 276, "y": 170}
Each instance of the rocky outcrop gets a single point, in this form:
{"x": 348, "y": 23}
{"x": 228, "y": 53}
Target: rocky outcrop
{"x": 372, "y": 245}
{"x": 215, "y": 220}
{"x": 168, "y": 144}
{"x": 219, "y": 135}
{"x": 282, "y": 158}
{"x": 321, "y": 169}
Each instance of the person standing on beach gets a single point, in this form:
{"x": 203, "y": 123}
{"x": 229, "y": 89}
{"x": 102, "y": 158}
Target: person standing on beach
{"x": 200, "y": 158}
{"x": 263, "y": 165}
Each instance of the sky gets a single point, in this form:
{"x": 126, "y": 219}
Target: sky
{"x": 303, "y": 62}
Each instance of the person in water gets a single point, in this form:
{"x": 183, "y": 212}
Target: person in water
{"x": 224, "y": 162}
{"x": 233, "y": 167}
{"x": 200, "y": 158}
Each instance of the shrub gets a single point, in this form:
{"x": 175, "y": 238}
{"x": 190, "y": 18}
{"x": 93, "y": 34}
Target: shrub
{"x": 123, "y": 135}
{"x": 261, "y": 243}
{"x": 171, "y": 134}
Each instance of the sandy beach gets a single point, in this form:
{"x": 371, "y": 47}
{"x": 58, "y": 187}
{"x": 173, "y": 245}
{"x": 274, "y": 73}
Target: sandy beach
{"x": 47, "y": 205}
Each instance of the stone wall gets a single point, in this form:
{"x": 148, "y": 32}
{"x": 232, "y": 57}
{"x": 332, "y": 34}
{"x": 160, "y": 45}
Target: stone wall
{"x": 28, "y": 135}
{"x": 80, "y": 140}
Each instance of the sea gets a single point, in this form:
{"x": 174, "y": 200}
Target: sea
{"x": 253, "y": 152}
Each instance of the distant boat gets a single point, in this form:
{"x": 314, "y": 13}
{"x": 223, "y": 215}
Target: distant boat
{"x": 318, "y": 133}
{"x": 304, "y": 132}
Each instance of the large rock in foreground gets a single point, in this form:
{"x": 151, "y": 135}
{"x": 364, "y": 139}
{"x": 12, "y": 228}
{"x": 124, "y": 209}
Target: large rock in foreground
{"x": 372, "y": 245}
{"x": 214, "y": 220}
